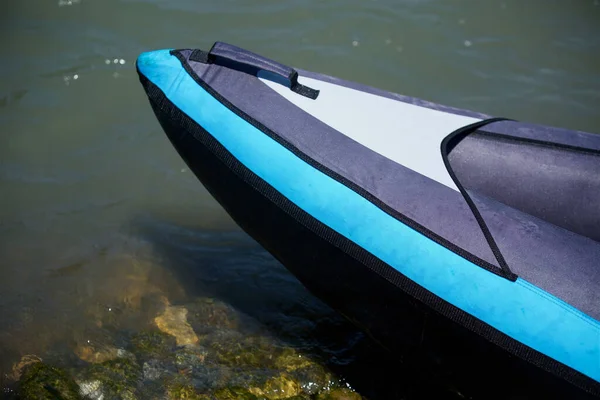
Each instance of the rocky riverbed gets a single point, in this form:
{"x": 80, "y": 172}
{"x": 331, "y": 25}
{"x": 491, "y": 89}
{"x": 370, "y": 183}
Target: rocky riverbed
{"x": 188, "y": 351}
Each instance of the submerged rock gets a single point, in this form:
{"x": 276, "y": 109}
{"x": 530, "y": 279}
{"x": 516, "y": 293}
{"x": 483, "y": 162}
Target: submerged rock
{"x": 312, "y": 376}
{"x": 289, "y": 359}
{"x": 174, "y": 322}
{"x": 40, "y": 381}
{"x": 91, "y": 390}
{"x": 95, "y": 356}
{"x": 249, "y": 352}
{"x": 207, "y": 378}
{"x": 339, "y": 394}
{"x": 153, "y": 345}
{"x": 153, "y": 369}
{"x": 113, "y": 379}
{"x": 207, "y": 314}
{"x": 234, "y": 393}
{"x": 100, "y": 353}
{"x": 186, "y": 392}
{"x": 19, "y": 367}
{"x": 269, "y": 369}
{"x": 189, "y": 357}
{"x": 280, "y": 387}
{"x": 136, "y": 277}
{"x": 180, "y": 388}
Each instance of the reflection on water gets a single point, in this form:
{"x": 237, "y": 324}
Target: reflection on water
{"x": 120, "y": 272}
{"x": 63, "y": 3}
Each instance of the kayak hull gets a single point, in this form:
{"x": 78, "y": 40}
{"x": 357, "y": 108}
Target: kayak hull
{"x": 401, "y": 315}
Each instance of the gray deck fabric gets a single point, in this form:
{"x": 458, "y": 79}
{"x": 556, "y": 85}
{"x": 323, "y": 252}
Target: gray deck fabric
{"x": 557, "y": 185}
{"x": 553, "y": 258}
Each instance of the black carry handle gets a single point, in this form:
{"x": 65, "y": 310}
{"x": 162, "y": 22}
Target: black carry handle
{"x": 229, "y": 56}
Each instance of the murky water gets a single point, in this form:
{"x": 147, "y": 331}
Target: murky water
{"x": 101, "y": 224}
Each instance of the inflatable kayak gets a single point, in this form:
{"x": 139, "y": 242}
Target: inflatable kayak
{"x": 472, "y": 238}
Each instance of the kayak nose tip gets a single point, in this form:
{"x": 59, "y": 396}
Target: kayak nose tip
{"x": 151, "y": 58}
{"x": 152, "y": 61}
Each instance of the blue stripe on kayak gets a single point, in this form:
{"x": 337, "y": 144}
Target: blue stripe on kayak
{"x": 519, "y": 309}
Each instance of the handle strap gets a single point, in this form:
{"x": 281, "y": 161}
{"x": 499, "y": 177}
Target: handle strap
{"x": 229, "y": 56}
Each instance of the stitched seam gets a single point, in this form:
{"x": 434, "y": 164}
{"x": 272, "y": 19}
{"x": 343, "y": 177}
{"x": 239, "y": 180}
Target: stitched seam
{"x": 559, "y": 303}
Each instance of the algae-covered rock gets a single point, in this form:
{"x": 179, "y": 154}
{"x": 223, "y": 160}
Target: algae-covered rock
{"x": 116, "y": 378}
{"x": 313, "y": 377}
{"x": 174, "y": 322}
{"x": 21, "y": 365}
{"x": 235, "y": 393}
{"x": 91, "y": 355}
{"x": 98, "y": 355}
{"x": 263, "y": 352}
{"x": 188, "y": 357}
{"x": 40, "y": 381}
{"x": 179, "y": 387}
{"x": 120, "y": 369}
{"x": 153, "y": 345}
{"x": 207, "y": 314}
{"x": 259, "y": 357}
{"x": 91, "y": 389}
{"x": 279, "y": 387}
{"x": 339, "y": 394}
{"x": 210, "y": 377}
{"x": 185, "y": 392}
{"x": 290, "y": 360}
{"x": 134, "y": 278}
{"x": 152, "y": 370}
{"x": 252, "y": 351}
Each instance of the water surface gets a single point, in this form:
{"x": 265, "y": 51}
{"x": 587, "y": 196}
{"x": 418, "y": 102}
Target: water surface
{"x": 98, "y": 214}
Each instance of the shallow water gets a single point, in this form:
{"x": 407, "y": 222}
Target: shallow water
{"x": 99, "y": 217}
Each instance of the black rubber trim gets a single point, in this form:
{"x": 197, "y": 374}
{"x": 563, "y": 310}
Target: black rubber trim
{"x": 187, "y": 125}
{"x": 449, "y": 143}
{"x": 359, "y": 190}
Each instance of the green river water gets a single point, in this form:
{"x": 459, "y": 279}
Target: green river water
{"x": 105, "y": 236}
